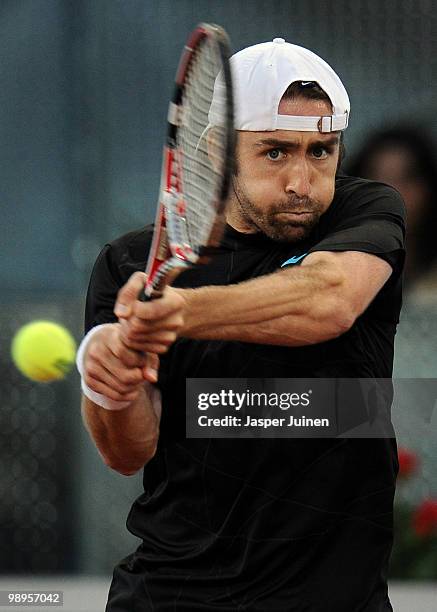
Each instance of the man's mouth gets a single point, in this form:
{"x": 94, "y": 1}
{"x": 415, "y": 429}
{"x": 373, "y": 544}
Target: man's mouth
{"x": 295, "y": 213}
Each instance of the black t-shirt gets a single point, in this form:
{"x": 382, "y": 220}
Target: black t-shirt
{"x": 266, "y": 524}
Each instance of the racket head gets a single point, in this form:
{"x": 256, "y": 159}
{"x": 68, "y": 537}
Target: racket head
{"x": 198, "y": 159}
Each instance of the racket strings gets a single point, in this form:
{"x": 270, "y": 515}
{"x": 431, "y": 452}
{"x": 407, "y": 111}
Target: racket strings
{"x": 201, "y": 166}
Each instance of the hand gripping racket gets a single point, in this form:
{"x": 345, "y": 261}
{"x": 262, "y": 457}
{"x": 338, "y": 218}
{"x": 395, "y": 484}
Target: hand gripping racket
{"x": 197, "y": 162}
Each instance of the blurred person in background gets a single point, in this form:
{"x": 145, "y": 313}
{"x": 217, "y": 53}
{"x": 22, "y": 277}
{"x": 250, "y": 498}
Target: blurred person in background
{"x": 404, "y": 157}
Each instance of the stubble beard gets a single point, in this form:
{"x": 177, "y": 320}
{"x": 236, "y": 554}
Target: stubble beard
{"x": 273, "y": 222}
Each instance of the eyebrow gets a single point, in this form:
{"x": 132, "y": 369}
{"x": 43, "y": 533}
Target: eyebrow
{"x": 292, "y": 144}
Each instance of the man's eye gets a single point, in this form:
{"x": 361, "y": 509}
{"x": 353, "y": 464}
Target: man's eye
{"x": 320, "y": 152}
{"x": 275, "y": 154}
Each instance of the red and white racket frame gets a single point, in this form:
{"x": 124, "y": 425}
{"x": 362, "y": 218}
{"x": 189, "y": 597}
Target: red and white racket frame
{"x": 168, "y": 256}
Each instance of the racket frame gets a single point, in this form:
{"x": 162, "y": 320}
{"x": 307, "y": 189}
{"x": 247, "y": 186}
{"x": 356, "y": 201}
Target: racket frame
{"x": 168, "y": 256}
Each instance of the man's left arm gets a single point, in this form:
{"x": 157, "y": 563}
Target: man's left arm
{"x": 307, "y": 304}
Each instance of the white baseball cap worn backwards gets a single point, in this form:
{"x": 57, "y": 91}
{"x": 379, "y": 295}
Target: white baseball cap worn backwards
{"x": 261, "y": 75}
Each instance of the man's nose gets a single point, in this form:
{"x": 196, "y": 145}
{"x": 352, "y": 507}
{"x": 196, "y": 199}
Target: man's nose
{"x": 298, "y": 178}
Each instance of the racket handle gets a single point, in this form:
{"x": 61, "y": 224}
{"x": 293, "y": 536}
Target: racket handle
{"x": 143, "y": 297}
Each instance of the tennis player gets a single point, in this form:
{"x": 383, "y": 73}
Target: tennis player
{"x": 306, "y": 283}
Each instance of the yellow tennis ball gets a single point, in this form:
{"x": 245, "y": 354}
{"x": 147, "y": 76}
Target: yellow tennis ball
{"x": 43, "y": 351}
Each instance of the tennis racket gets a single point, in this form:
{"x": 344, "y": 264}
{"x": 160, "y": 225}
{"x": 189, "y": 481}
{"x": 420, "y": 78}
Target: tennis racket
{"x": 197, "y": 162}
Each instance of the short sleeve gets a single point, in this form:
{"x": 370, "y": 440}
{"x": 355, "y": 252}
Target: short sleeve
{"x": 116, "y": 262}
{"x": 102, "y": 291}
{"x": 369, "y": 218}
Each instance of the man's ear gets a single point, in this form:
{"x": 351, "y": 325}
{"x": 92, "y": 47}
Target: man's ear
{"x": 214, "y": 148}
{"x": 342, "y": 152}
{"x": 215, "y": 151}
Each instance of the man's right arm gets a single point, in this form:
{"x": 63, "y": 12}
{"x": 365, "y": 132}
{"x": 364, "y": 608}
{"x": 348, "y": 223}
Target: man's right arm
{"x": 126, "y": 438}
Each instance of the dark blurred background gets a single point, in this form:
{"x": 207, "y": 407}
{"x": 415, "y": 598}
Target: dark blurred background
{"x": 84, "y": 86}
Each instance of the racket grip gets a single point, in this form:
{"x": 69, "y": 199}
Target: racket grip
{"x": 143, "y": 297}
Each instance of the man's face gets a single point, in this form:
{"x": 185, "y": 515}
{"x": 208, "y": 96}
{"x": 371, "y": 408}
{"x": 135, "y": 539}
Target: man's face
{"x": 285, "y": 179}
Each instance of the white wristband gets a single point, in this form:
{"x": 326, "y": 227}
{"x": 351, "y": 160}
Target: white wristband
{"x": 97, "y": 398}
